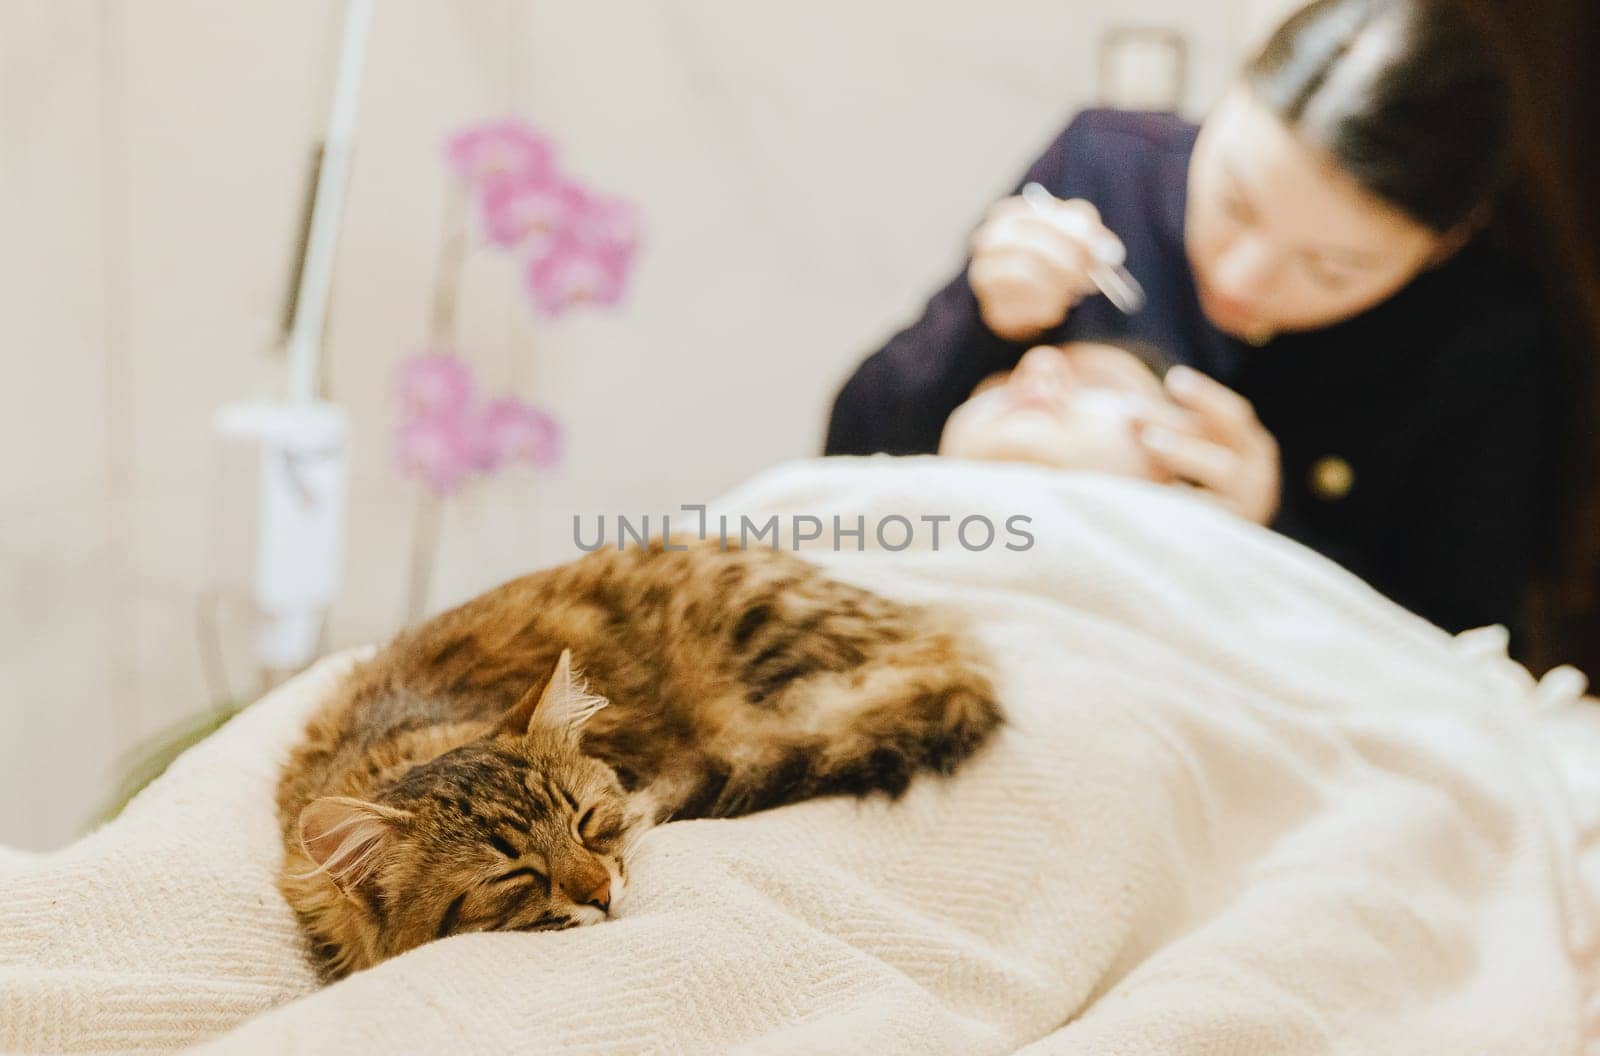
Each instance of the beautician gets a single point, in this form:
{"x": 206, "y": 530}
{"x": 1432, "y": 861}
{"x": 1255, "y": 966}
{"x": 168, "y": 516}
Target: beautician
{"x": 1367, "y": 371}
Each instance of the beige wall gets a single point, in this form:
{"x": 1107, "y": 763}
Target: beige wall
{"x": 807, "y": 173}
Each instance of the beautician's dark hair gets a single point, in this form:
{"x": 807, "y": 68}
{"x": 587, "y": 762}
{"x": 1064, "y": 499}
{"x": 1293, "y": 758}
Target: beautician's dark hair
{"x": 1410, "y": 97}
{"x": 1429, "y": 104}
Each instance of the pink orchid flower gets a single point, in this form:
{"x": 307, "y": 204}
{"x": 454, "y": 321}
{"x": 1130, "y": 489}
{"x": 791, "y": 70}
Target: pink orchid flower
{"x": 607, "y": 223}
{"x": 437, "y": 385}
{"x": 571, "y": 274}
{"x": 513, "y": 431}
{"x": 501, "y": 150}
{"x": 536, "y": 212}
{"x": 445, "y": 437}
{"x": 437, "y": 451}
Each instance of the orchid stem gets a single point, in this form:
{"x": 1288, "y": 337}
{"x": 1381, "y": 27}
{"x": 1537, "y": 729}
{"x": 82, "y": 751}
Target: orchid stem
{"x": 451, "y": 267}
{"x": 426, "y": 521}
{"x": 424, "y": 549}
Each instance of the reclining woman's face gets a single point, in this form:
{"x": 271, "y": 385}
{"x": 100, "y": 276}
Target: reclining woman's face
{"x": 1079, "y": 406}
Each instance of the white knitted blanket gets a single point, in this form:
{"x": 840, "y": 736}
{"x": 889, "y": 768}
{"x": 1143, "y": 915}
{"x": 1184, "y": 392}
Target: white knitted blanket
{"x": 1243, "y": 805}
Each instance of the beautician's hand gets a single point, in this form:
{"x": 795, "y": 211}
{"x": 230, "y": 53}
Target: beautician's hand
{"x": 1226, "y": 452}
{"x": 1030, "y": 265}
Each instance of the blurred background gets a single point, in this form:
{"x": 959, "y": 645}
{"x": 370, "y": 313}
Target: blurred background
{"x": 806, "y": 176}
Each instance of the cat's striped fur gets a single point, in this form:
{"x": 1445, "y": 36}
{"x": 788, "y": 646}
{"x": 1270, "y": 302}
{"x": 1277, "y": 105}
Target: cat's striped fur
{"x": 464, "y": 779}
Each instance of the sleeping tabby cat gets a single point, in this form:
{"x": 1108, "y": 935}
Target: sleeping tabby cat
{"x": 466, "y": 779}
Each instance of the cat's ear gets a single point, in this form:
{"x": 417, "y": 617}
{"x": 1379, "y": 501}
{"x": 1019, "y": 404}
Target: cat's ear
{"x": 346, "y": 837}
{"x": 563, "y": 704}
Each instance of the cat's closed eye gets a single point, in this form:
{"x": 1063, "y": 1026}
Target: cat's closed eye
{"x": 597, "y": 829}
{"x": 523, "y": 872}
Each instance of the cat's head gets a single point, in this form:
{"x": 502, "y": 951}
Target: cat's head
{"x": 517, "y": 831}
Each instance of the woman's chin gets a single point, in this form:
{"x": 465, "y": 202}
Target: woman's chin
{"x": 1232, "y": 323}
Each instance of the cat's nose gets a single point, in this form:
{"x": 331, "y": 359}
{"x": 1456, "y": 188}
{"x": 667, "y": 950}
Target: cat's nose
{"x": 591, "y": 890}
{"x": 599, "y": 896}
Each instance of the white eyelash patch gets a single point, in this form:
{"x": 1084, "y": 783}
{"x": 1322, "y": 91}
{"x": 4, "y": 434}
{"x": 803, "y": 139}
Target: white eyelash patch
{"x": 1106, "y": 403}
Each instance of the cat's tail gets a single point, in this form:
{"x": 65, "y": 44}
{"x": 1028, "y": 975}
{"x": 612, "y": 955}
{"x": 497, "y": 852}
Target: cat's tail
{"x": 925, "y": 707}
